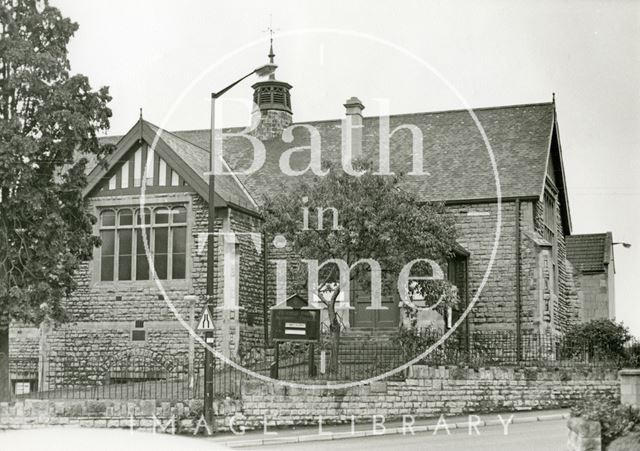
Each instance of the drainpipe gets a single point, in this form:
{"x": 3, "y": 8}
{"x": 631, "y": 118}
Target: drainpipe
{"x": 518, "y": 290}
{"x": 265, "y": 307}
{"x": 466, "y": 306}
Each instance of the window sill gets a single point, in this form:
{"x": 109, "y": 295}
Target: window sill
{"x": 126, "y": 285}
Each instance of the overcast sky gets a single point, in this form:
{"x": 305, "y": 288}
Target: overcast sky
{"x": 160, "y": 55}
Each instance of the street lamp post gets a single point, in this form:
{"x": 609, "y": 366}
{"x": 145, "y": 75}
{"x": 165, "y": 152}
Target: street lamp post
{"x": 265, "y": 70}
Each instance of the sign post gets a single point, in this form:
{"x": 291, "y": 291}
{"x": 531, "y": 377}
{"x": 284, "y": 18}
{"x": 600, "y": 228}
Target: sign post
{"x": 206, "y": 325}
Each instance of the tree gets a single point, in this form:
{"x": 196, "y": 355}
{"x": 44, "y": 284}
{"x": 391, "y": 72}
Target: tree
{"x": 47, "y": 119}
{"x": 601, "y": 339}
{"x": 377, "y": 220}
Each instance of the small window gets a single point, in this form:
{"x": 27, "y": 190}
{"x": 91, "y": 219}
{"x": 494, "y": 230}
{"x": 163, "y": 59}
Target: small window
{"x": 549, "y": 218}
{"x": 179, "y": 215}
{"x": 107, "y": 256}
{"x": 148, "y": 170}
{"x": 162, "y": 216}
{"x": 125, "y": 251}
{"x": 125, "y": 217}
{"x": 143, "y": 220}
{"x": 137, "y": 167}
{"x": 175, "y": 178}
{"x": 179, "y": 254}
{"x": 160, "y": 251}
{"x": 108, "y": 218}
{"x": 162, "y": 173}
{"x": 142, "y": 263}
{"x": 139, "y": 324}
{"x": 138, "y": 335}
{"x": 23, "y": 387}
{"x": 124, "y": 175}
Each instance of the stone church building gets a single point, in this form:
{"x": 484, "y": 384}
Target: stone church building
{"x": 155, "y": 180}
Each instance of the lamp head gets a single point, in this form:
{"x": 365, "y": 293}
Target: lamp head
{"x": 265, "y": 70}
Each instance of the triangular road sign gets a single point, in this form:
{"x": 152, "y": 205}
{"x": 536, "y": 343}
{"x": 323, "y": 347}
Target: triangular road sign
{"x": 206, "y": 321}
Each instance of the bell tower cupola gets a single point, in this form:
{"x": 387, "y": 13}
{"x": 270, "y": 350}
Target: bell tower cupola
{"x": 272, "y": 104}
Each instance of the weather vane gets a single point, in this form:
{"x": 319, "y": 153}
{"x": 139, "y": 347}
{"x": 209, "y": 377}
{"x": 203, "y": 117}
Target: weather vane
{"x": 271, "y": 32}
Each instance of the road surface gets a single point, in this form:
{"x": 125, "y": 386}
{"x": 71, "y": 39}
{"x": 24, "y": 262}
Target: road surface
{"x": 539, "y": 436}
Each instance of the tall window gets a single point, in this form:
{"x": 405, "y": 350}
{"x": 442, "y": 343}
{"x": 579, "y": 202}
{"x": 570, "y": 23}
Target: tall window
{"x": 549, "y": 225}
{"x": 549, "y": 230}
{"x": 123, "y": 252}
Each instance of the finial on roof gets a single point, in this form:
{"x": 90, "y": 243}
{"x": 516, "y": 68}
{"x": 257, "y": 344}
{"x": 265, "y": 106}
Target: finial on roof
{"x": 553, "y": 97}
{"x": 271, "y": 54}
{"x": 140, "y": 127}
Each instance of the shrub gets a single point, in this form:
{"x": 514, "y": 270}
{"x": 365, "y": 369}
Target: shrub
{"x": 633, "y": 355}
{"x": 414, "y": 342}
{"x": 599, "y": 339}
{"x": 629, "y": 442}
{"x": 616, "y": 420}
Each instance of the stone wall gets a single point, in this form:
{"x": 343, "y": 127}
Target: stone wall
{"x": 24, "y": 352}
{"x": 251, "y": 316}
{"x": 92, "y": 355}
{"x": 584, "y": 435}
{"x": 427, "y": 392}
{"x": 630, "y": 387}
{"x": 129, "y": 414}
{"x": 593, "y": 295}
{"x": 476, "y": 228}
{"x": 496, "y": 307}
{"x": 564, "y": 311}
{"x": 269, "y": 124}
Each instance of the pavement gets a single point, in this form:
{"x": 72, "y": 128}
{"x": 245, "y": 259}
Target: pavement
{"x": 525, "y": 427}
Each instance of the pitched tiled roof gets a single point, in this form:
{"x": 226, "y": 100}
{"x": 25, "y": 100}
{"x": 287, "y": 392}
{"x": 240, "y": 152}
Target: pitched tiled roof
{"x": 589, "y": 253}
{"x": 228, "y": 187}
{"x": 455, "y": 156}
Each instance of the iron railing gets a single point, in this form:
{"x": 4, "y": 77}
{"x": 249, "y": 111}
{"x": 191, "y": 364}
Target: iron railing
{"x": 136, "y": 375}
{"x": 130, "y": 378}
{"x": 500, "y": 348}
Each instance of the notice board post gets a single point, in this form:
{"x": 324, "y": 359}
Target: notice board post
{"x": 295, "y": 321}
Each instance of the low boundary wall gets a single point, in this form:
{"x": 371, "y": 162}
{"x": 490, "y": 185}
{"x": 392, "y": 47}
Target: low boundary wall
{"x": 427, "y": 392}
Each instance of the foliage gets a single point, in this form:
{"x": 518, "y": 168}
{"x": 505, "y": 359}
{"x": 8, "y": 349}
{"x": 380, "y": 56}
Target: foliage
{"x": 599, "y": 339}
{"x": 633, "y": 355}
{"x": 48, "y": 118}
{"x": 414, "y": 342}
{"x": 629, "y": 442}
{"x": 439, "y": 295}
{"x": 616, "y": 420}
{"x": 377, "y": 220}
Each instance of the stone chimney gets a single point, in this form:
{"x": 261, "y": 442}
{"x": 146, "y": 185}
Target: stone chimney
{"x": 353, "y": 111}
{"x": 272, "y": 103}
